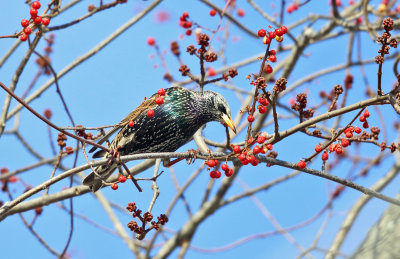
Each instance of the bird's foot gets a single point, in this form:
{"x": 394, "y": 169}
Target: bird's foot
{"x": 114, "y": 154}
{"x": 193, "y": 157}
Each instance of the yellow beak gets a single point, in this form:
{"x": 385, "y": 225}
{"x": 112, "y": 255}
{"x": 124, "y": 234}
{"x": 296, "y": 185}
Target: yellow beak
{"x": 229, "y": 122}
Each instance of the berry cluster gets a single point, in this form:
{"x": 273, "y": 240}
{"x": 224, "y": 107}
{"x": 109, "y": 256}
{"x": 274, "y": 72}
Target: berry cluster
{"x": 185, "y": 23}
{"x": 277, "y": 34}
{"x": 217, "y": 174}
{"x": 292, "y": 7}
{"x": 121, "y": 179}
{"x": 147, "y": 217}
{"x": 247, "y": 156}
{"x": 160, "y": 99}
{"x": 37, "y": 20}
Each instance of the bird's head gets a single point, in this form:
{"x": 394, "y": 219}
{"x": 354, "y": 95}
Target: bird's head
{"x": 219, "y": 109}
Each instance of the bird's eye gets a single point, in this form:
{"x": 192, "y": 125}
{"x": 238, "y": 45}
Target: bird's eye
{"x": 222, "y": 108}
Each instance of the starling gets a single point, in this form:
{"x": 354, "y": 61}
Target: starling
{"x": 173, "y": 124}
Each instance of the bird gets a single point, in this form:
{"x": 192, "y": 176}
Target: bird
{"x": 173, "y": 124}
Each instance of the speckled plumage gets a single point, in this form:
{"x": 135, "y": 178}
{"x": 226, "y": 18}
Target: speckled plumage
{"x": 174, "y": 123}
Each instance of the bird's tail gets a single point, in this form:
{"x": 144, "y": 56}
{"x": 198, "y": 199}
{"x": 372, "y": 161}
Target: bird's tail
{"x": 94, "y": 182}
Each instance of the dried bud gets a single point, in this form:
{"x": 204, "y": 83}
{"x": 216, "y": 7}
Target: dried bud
{"x": 191, "y": 49}
{"x": 280, "y": 85}
{"x": 203, "y": 40}
{"x": 184, "y": 70}
{"x": 338, "y": 89}
{"x": 175, "y": 48}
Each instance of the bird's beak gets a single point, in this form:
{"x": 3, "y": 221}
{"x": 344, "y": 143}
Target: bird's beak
{"x": 229, "y": 122}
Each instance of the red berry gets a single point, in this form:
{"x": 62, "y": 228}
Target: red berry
{"x": 301, "y": 164}
{"x": 256, "y": 150}
{"x": 366, "y": 114}
{"x": 272, "y": 58}
{"x": 114, "y": 186}
{"x": 150, "y": 113}
{"x": 349, "y": 134}
{"x": 185, "y": 14}
{"x": 345, "y": 142}
{"x": 211, "y": 72}
{"x": 339, "y": 150}
{"x": 262, "y": 109}
{"x": 37, "y": 20}
{"x": 241, "y": 12}
{"x": 23, "y": 37}
{"x": 272, "y": 52}
{"x": 151, "y": 41}
{"x": 122, "y": 178}
{"x": 210, "y": 163}
{"x": 24, "y": 22}
{"x": 225, "y": 167}
{"x": 216, "y": 162}
{"x": 161, "y": 92}
{"x": 279, "y": 32}
{"x": 33, "y": 12}
{"x": 250, "y": 159}
{"x": 187, "y": 25}
{"x": 271, "y": 35}
{"x": 244, "y": 162}
{"x": 13, "y": 179}
{"x": 27, "y": 30}
{"x": 325, "y": 156}
{"x": 266, "y": 40}
{"x": 213, "y": 12}
{"x": 295, "y": 7}
{"x": 332, "y": 147}
{"x": 131, "y": 123}
{"x": 289, "y": 9}
{"x": 365, "y": 125}
{"x": 362, "y": 118}
{"x": 357, "y": 130}
{"x": 263, "y": 101}
{"x": 260, "y": 139}
{"x": 268, "y": 69}
{"x": 159, "y": 100}
{"x": 261, "y": 33}
{"x": 229, "y": 172}
{"x": 254, "y": 162}
{"x": 318, "y": 148}
{"x": 188, "y": 32}
{"x": 236, "y": 149}
{"x": 269, "y": 146}
{"x": 45, "y": 21}
{"x": 215, "y": 174}
{"x": 242, "y": 157}
{"x": 250, "y": 118}
{"x": 250, "y": 141}
{"x": 284, "y": 29}
{"x": 36, "y": 5}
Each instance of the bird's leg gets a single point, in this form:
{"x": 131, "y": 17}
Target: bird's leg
{"x": 191, "y": 152}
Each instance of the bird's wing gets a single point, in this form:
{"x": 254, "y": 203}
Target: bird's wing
{"x": 144, "y": 106}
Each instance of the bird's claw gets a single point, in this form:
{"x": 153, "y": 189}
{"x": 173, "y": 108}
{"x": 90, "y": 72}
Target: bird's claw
{"x": 114, "y": 154}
